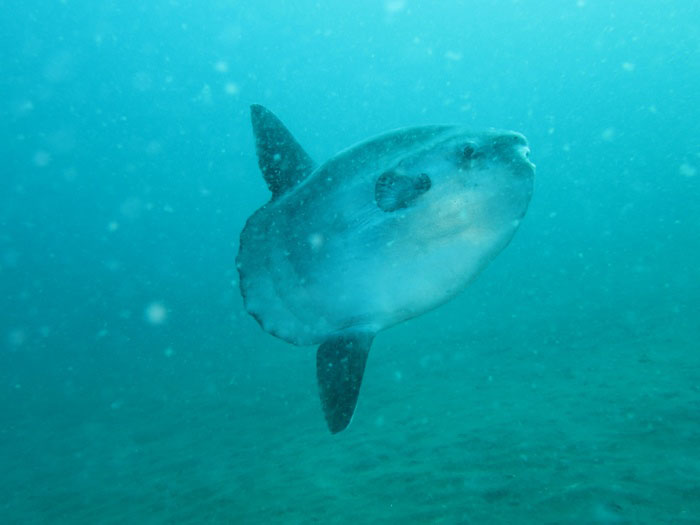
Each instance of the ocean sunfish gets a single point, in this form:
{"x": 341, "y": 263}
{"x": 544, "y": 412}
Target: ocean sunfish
{"x": 382, "y": 232}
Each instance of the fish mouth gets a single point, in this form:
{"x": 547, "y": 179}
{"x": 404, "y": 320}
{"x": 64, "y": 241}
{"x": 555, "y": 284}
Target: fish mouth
{"x": 521, "y": 165}
{"x": 515, "y": 149}
{"x": 523, "y": 155}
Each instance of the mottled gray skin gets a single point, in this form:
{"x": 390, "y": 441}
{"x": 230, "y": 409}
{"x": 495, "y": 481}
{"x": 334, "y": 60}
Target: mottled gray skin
{"x": 323, "y": 257}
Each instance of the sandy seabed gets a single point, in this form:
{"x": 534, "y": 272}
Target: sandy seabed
{"x": 599, "y": 424}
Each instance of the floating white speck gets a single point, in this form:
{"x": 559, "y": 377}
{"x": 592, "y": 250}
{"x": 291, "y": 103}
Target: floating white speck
{"x": 688, "y": 170}
{"x": 10, "y": 258}
{"x": 608, "y": 134}
{"x": 156, "y": 313}
{"x": 394, "y": 6}
{"x": 628, "y": 66}
{"x": 25, "y": 107}
{"x": 154, "y": 147}
{"x": 112, "y": 226}
{"x": 113, "y": 265}
{"x": 231, "y": 88}
{"x": 205, "y": 95}
{"x": 132, "y": 208}
{"x": 70, "y": 174}
{"x": 16, "y": 337}
{"x": 316, "y": 241}
{"x": 221, "y": 66}
{"x": 453, "y": 55}
{"x": 142, "y": 81}
{"x": 168, "y": 352}
{"x": 42, "y": 159}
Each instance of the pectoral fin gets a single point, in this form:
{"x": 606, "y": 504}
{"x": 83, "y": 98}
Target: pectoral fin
{"x": 340, "y": 365}
{"x": 394, "y": 191}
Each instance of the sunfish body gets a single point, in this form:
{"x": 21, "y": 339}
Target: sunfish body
{"x": 380, "y": 233}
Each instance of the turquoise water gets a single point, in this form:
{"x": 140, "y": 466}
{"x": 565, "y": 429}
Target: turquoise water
{"x": 563, "y": 386}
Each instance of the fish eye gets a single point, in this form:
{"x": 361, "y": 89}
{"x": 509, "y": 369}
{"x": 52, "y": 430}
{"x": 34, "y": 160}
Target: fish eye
{"x": 469, "y": 152}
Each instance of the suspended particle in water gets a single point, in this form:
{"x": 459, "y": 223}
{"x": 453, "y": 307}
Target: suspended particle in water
{"x": 394, "y": 6}
{"x": 316, "y": 241}
{"x": 113, "y": 265}
{"x": 142, "y": 81}
{"x": 41, "y": 159}
{"x": 205, "y": 95}
{"x": 10, "y": 258}
{"x": 154, "y": 147}
{"x": 70, "y": 174}
{"x": 23, "y": 107}
{"x": 221, "y": 66}
{"x": 687, "y": 170}
{"x": 16, "y": 337}
{"x": 132, "y": 208}
{"x": 608, "y": 134}
{"x": 231, "y": 88}
{"x": 156, "y": 313}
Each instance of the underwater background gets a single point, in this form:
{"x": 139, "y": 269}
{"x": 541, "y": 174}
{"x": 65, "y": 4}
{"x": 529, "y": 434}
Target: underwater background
{"x": 562, "y": 386}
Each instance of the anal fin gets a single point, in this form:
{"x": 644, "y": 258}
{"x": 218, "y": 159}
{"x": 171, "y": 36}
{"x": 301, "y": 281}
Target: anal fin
{"x": 340, "y": 365}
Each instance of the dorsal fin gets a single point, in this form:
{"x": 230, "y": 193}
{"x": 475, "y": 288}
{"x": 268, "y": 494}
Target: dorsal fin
{"x": 283, "y": 162}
